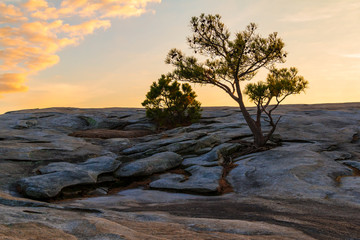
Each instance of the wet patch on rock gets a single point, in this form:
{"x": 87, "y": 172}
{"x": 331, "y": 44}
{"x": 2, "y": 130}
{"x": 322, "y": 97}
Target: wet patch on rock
{"x": 110, "y": 133}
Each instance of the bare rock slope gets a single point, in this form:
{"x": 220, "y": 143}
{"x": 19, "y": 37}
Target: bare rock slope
{"x": 69, "y": 173}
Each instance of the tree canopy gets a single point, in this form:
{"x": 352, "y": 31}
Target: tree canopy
{"x": 230, "y": 61}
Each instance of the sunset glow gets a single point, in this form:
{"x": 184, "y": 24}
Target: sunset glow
{"x": 102, "y": 53}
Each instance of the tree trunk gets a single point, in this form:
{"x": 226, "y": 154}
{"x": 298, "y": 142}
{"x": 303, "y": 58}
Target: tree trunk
{"x": 255, "y": 126}
{"x": 259, "y": 138}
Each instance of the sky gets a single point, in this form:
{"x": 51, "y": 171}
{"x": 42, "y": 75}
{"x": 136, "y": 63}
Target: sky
{"x": 107, "y": 53}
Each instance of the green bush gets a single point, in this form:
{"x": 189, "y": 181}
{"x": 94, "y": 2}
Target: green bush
{"x": 170, "y": 104}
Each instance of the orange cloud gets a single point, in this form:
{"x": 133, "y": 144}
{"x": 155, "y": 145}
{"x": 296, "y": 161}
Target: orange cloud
{"x": 32, "y": 33}
{"x": 85, "y": 28}
{"x": 12, "y": 82}
{"x": 88, "y": 8}
{"x": 35, "y": 5}
{"x": 10, "y": 14}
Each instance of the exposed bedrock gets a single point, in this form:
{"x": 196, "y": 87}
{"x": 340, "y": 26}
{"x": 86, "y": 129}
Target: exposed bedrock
{"x": 140, "y": 183}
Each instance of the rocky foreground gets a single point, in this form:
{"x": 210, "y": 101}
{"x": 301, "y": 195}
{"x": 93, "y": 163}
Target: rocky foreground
{"x": 68, "y": 173}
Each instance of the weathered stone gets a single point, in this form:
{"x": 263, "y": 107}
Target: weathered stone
{"x": 354, "y": 164}
{"x": 116, "y": 145}
{"x": 193, "y": 127}
{"x": 207, "y": 142}
{"x": 44, "y": 145}
{"x": 217, "y": 112}
{"x": 71, "y": 119}
{"x": 234, "y": 126}
{"x": 295, "y": 170}
{"x": 99, "y": 191}
{"x": 199, "y": 152}
{"x": 318, "y": 126}
{"x": 22, "y": 124}
{"x": 191, "y": 146}
{"x": 351, "y": 184}
{"x": 230, "y": 134}
{"x": 157, "y": 163}
{"x": 311, "y": 195}
{"x": 43, "y": 120}
{"x": 171, "y": 143}
{"x": 202, "y": 180}
{"x": 214, "y": 157}
{"x": 57, "y": 176}
{"x": 102, "y": 121}
{"x": 50, "y": 185}
{"x": 66, "y": 223}
{"x": 141, "y": 126}
{"x": 96, "y": 165}
{"x": 169, "y": 181}
{"x": 180, "y": 147}
{"x": 337, "y": 155}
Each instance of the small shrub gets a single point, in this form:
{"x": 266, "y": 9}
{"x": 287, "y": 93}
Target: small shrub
{"x": 170, "y": 104}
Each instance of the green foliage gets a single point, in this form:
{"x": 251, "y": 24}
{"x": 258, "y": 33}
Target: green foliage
{"x": 170, "y": 104}
{"x": 279, "y": 84}
{"x": 230, "y": 60}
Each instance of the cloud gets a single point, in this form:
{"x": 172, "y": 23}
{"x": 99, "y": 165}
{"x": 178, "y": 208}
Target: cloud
{"x": 88, "y": 8}
{"x": 33, "y": 32}
{"x": 35, "y": 5}
{"x": 10, "y": 14}
{"x": 85, "y": 28}
{"x": 10, "y": 82}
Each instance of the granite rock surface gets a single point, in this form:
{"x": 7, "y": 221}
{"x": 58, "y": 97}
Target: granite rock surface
{"x": 306, "y": 187}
